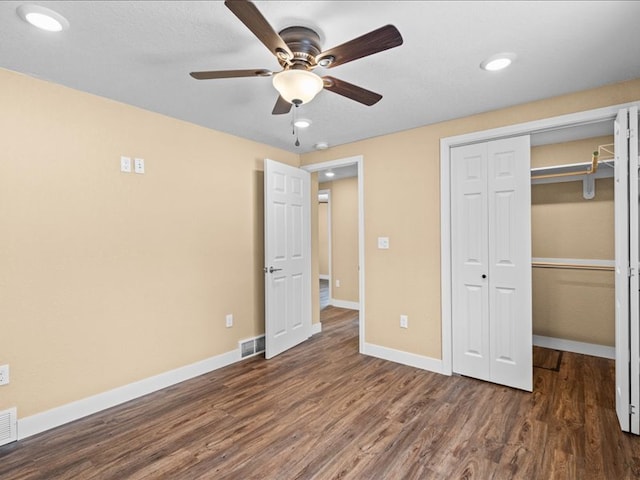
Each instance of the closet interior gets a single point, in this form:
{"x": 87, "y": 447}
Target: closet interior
{"x": 572, "y": 228}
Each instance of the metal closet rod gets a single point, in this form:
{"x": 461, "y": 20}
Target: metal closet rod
{"x": 573, "y": 266}
{"x": 595, "y": 156}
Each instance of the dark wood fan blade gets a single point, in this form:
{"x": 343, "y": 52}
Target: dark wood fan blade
{"x": 249, "y": 14}
{"x": 230, "y": 74}
{"x": 376, "y": 41}
{"x": 349, "y": 90}
{"x": 281, "y": 107}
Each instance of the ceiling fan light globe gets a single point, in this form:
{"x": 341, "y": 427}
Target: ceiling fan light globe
{"x": 297, "y": 86}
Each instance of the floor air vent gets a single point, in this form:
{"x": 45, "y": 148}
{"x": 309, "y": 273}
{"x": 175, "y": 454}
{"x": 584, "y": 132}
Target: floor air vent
{"x": 259, "y": 344}
{"x": 247, "y": 348}
{"x": 8, "y": 426}
{"x": 250, "y": 347}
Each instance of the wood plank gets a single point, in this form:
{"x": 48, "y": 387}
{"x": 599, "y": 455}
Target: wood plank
{"x": 323, "y": 411}
{"x": 546, "y": 358}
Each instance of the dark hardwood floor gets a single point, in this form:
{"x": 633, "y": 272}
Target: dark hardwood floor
{"x": 322, "y": 411}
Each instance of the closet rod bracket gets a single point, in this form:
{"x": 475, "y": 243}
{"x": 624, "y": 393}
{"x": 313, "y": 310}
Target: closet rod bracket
{"x": 589, "y": 187}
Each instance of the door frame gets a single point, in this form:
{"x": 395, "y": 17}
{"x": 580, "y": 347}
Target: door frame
{"x": 342, "y": 162}
{"x": 527, "y": 128}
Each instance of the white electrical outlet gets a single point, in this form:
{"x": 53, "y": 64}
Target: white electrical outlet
{"x": 337, "y": 283}
{"x": 229, "y": 320}
{"x": 4, "y": 374}
{"x": 138, "y": 165}
{"x": 404, "y": 321}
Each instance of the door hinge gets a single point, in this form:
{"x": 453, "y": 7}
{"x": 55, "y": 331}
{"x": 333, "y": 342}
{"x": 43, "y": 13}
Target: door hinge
{"x": 628, "y": 133}
{"x": 632, "y": 409}
{"x": 630, "y": 272}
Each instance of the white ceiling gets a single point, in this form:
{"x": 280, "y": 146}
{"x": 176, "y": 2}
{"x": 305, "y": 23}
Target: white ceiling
{"x": 339, "y": 173}
{"x": 141, "y": 53}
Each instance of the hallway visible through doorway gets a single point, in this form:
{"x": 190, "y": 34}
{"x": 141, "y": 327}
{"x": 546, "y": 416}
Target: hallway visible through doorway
{"x": 324, "y": 293}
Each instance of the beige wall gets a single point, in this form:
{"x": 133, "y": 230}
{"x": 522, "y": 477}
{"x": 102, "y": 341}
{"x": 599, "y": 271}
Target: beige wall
{"x": 323, "y": 238}
{"x": 570, "y": 304}
{"x": 402, "y": 201}
{"x": 106, "y": 277}
{"x": 344, "y": 238}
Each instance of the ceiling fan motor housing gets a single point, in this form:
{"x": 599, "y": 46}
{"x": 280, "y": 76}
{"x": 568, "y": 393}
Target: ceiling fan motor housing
{"x": 305, "y": 45}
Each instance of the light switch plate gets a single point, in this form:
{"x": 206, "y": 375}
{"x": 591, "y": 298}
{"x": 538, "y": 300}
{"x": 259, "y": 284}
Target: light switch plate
{"x": 4, "y": 374}
{"x": 125, "y": 164}
{"x": 383, "y": 243}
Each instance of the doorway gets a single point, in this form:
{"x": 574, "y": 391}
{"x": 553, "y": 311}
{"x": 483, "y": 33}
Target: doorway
{"x": 354, "y": 165}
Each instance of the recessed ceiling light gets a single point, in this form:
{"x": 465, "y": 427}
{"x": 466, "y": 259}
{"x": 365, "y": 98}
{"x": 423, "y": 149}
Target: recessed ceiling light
{"x": 498, "y": 61}
{"x": 321, "y": 146}
{"x": 329, "y": 174}
{"x": 43, "y": 18}
{"x": 302, "y": 123}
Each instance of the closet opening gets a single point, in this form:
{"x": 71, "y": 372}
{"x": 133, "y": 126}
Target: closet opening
{"x": 572, "y": 240}
{"x": 579, "y": 226}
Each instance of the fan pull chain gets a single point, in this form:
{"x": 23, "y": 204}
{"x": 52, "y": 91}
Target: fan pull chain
{"x": 295, "y": 129}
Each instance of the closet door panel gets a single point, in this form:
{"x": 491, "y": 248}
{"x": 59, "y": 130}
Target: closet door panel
{"x": 621, "y": 217}
{"x": 472, "y": 333}
{"x": 634, "y": 260}
{"x": 470, "y": 309}
{"x": 509, "y": 196}
{"x": 504, "y": 328}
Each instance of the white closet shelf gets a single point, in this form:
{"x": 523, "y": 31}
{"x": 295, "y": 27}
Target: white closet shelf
{"x": 605, "y": 170}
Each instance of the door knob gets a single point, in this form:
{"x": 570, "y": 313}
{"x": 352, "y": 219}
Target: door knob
{"x": 271, "y": 270}
{"x": 484, "y": 275}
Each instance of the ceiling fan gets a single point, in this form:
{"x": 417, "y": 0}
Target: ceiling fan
{"x": 298, "y": 51}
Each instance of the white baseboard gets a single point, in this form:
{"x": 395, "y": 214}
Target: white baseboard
{"x": 69, "y": 412}
{"x": 316, "y": 328}
{"x": 405, "y": 358}
{"x": 345, "y": 304}
{"x": 575, "y": 347}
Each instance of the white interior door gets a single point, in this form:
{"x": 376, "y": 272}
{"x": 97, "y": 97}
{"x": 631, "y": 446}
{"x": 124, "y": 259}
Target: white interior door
{"x": 491, "y": 261}
{"x": 622, "y": 310}
{"x": 634, "y": 291}
{"x": 287, "y": 241}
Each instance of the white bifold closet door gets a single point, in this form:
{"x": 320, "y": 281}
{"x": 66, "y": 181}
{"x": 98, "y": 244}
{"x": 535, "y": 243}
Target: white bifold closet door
{"x": 491, "y": 261}
{"x": 627, "y": 253}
